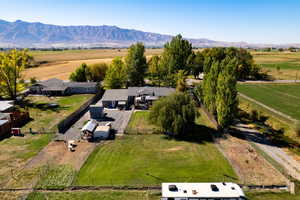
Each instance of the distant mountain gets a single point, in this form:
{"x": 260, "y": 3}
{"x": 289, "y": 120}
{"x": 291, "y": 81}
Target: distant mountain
{"x": 26, "y": 34}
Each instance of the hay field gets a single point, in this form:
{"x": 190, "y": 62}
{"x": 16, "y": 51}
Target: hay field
{"x": 60, "y": 64}
{"x": 83, "y": 54}
{"x": 280, "y": 65}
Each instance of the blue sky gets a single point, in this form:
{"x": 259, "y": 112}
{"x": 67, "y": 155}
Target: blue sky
{"x": 255, "y": 21}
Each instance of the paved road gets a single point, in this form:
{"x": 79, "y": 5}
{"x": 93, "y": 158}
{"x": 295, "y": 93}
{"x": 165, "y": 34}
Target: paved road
{"x": 291, "y": 166}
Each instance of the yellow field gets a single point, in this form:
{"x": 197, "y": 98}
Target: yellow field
{"x": 280, "y": 65}
{"x": 60, "y": 64}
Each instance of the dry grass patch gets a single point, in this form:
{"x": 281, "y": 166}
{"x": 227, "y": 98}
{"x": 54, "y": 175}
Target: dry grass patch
{"x": 252, "y": 168}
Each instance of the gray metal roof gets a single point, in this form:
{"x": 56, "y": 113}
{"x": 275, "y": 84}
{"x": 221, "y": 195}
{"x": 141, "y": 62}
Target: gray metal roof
{"x": 82, "y": 84}
{"x": 3, "y": 122}
{"x": 4, "y": 116}
{"x": 153, "y": 91}
{"x": 115, "y": 95}
{"x": 55, "y": 84}
{"x": 89, "y": 126}
{"x": 4, "y": 105}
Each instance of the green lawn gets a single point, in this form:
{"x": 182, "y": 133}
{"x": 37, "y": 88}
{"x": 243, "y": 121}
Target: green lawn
{"x": 99, "y": 195}
{"x": 150, "y": 195}
{"x": 47, "y": 118}
{"x": 271, "y": 196}
{"x": 151, "y": 160}
{"x": 282, "y": 97}
{"x": 138, "y": 124}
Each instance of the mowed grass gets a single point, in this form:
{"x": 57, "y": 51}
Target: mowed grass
{"x": 139, "y": 124}
{"x": 280, "y": 65}
{"x": 99, "y": 195}
{"x": 151, "y": 160}
{"x": 282, "y": 97}
{"x": 271, "y": 196}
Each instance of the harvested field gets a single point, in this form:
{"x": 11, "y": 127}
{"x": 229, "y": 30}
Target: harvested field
{"x": 83, "y": 54}
{"x": 280, "y": 65}
{"x": 251, "y": 167}
{"x": 60, "y": 70}
{"x": 60, "y": 64}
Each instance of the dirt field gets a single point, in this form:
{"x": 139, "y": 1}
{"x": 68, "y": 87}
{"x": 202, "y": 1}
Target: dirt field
{"x": 69, "y": 55}
{"x": 250, "y": 166}
{"x": 60, "y": 64}
{"x": 60, "y": 70}
{"x": 56, "y": 152}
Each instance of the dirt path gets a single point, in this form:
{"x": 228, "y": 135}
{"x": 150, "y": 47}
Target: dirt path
{"x": 251, "y": 167}
{"x": 291, "y": 166}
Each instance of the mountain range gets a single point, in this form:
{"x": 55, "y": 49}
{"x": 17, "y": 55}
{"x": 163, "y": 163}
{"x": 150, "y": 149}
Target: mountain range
{"x": 27, "y": 34}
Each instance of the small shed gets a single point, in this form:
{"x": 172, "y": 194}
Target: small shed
{"x": 102, "y": 132}
{"x": 89, "y": 127}
{"x": 88, "y": 130}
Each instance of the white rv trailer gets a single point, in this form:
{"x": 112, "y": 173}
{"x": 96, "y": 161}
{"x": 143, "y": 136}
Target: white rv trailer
{"x": 202, "y": 191}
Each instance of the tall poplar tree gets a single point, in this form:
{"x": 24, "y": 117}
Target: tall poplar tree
{"x": 136, "y": 64}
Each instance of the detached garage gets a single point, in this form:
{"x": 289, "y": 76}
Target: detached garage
{"x": 115, "y": 98}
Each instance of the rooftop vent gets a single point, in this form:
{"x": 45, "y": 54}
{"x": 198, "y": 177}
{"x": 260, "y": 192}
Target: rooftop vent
{"x": 173, "y": 188}
{"x": 214, "y": 188}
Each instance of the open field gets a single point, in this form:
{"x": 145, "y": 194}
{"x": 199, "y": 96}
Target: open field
{"x": 16, "y": 151}
{"x": 60, "y": 64}
{"x": 152, "y": 159}
{"x": 250, "y": 165}
{"x": 281, "y": 65}
{"x": 282, "y": 97}
{"x": 84, "y": 54}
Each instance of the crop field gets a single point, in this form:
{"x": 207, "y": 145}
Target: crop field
{"x": 60, "y": 64}
{"x": 284, "y": 98}
{"x": 280, "y": 65}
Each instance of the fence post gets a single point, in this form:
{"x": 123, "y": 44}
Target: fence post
{"x": 291, "y": 187}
